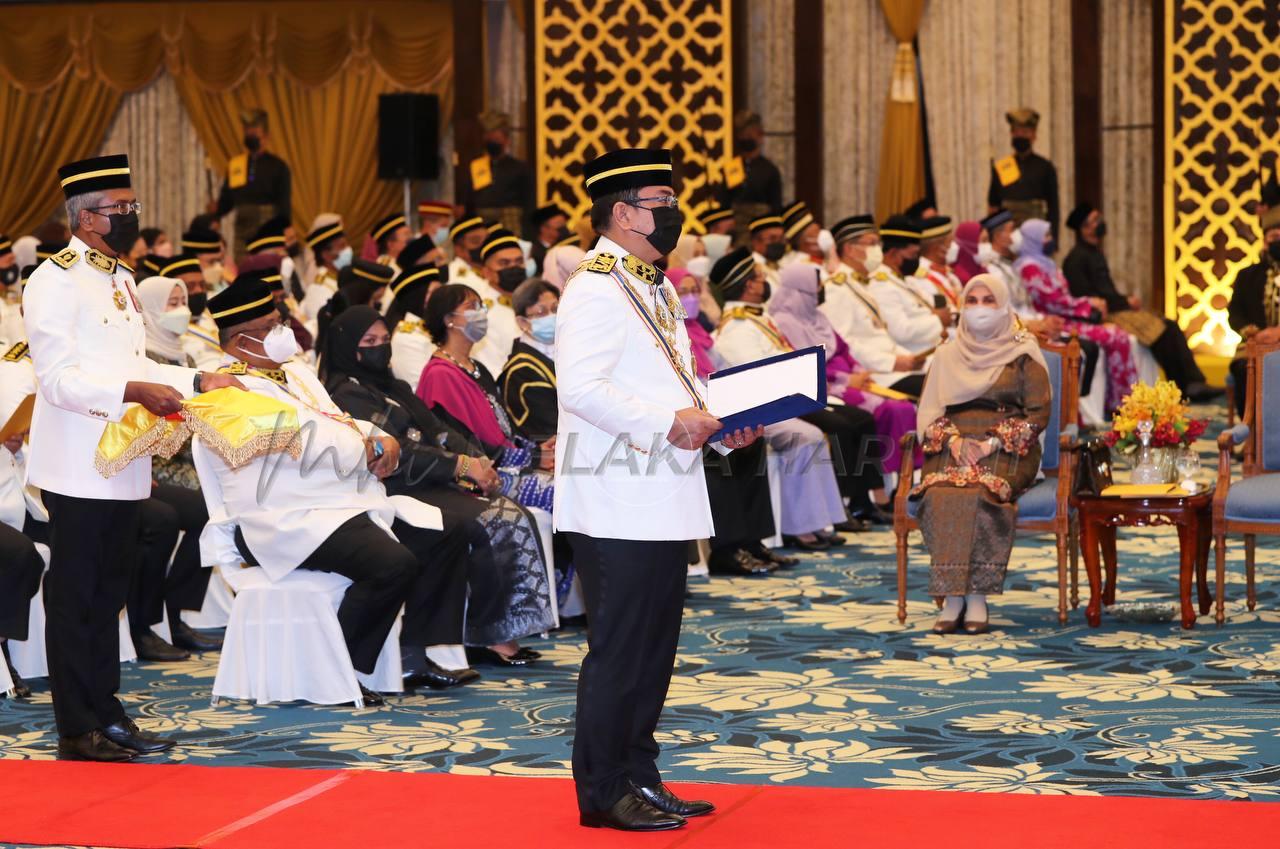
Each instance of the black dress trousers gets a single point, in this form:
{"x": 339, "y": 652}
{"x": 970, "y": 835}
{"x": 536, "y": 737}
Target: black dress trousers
{"x": 94, "y": 543}
{"x": 856, "y": 450}
{"x": 738, "y": 489}
{"x": 21, "y": 568}
{"x": 634, "y": 594}
{"x": 157, "y": 583}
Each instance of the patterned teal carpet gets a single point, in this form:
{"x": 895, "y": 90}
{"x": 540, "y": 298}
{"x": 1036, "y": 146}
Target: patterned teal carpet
{"x": 806, "y": 678}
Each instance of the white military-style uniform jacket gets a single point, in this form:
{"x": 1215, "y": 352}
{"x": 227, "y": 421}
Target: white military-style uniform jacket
{"x": 318, "y": 292}
{"x": 12, "y": 330}
{"x": 460, "y": 271}
{"x": 771, "y": 270}
{"x": 907, "y": 310}
{"x": 17, "y": 381}
{"x": 619, "y": 385}
{"x": 84, "y": 323}
{"x": 200, "y": 342}
{"x": 286, "y": 508}
{"x": 411, "y": 349}
{"x": 856, "y": 316}
{"x": 746, "y": 334}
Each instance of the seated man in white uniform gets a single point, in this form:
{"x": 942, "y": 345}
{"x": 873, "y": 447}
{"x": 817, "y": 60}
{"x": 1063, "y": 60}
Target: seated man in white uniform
{"x": 411, "y": 345}
{"x": 332, "y": 252}
{"x": 856, "y": 315}
{"x": 328, "y": 510}
{"x": 768, "y": 244}
{"x": 906, "y": 302}
{"x": 468, "y": 237}
{"x": 503, "y": 266}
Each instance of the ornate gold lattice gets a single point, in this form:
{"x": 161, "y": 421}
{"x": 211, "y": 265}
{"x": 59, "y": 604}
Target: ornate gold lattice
{"x": 631, "y": 73}
{"x": 1222, "y": 116}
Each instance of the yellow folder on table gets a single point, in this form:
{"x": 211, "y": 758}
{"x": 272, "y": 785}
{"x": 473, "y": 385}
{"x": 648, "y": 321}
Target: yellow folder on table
{"x": 885, "y": 392}
{"x": 1139, "y": 490}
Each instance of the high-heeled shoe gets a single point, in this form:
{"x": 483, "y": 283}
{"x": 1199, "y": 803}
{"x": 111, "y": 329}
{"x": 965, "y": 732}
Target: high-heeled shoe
{"x": 975, "y": 628}
{"x": 948, "y": 626}
{"x": 817, "y": 544}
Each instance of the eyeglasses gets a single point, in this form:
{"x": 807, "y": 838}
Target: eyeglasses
{"x": 669, "y": 201}
{"x": 124, "y": 207}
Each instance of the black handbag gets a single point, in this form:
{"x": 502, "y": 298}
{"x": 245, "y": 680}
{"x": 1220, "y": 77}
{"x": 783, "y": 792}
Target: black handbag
{"x": 1093, "y": 469}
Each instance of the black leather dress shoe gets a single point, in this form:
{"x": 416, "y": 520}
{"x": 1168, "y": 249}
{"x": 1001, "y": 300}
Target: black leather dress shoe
{"x": 875, "y": 515}
{"x": 852, "y": 526}
{"x": 438, "y": 678}
{"x": 93, "y": 747}
{"x": 527, "y": 654}
{"x": 1199, "y": 392}
{"x": 370, "y": 698}
{"x": 738, "y": 562}
{"x": 832, "y": 540}
{"x": 186, "y": 637}
{"x": 484, "y": 654}
{"x": 818, "y": 544}
{"x": 631, "y": 813}
{"x": 149, "y": 646}
{"x": 20, "y": 688}
{"x": 128, "y": 735}
{"x": 658, "y": 796}
{"x": 767, "y": 555}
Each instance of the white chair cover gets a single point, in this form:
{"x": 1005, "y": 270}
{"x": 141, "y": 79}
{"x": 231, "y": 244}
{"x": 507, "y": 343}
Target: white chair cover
{"x": 283, "y": 642}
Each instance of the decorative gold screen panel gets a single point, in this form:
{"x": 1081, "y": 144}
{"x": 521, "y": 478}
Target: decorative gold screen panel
{"x": 631, "y": 73}
{"x": 1222, "y": 117}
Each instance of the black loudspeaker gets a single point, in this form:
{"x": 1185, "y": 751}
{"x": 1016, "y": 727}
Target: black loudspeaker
{"x": 408, "y": 136}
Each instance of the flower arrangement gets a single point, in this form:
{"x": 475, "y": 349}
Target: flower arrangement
{"x": 1163, "y": 406}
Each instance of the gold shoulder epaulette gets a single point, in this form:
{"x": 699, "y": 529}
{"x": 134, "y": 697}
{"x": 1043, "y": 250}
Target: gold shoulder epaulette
{"x": 384, "y": 260}
{"x": 600, "y": 263}
{"x": 408, "y": 326}
{"x": 66, "y": 257}
{"x": 102, "y": 262}
{"x": 17, "y": 352}
{"x": 838, "y": 277}
{"x": 236, "y": 368}
{"x": 879, "y": 274}
{"x": 640, "y": 268}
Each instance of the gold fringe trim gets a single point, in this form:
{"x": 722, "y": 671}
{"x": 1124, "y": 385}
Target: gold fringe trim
{"x": 284, "y": 439}
{"x": 161, "y": 437}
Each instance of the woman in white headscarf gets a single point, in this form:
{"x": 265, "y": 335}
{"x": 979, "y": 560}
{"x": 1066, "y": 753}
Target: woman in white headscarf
{"x": 560, "y": 262}
{"x": 986, "y": 399}
{"x": 164, "y": 307}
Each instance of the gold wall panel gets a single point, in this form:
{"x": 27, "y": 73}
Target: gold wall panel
{"x": 1222, "y": 116}
{"x": 631, "y": 73}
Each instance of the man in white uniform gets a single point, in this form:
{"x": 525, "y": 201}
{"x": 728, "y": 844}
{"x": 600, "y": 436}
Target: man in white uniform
{"x": 88, "y": 345}
{"x": 630, "y": 490}
{"x": 906, "y": 302}
{"x": 467, "y": 237}
{"x": 411, "y": 345}
{"x": 502, "y": 263}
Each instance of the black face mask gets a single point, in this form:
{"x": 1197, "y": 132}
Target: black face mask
{"x": 1273, "y": 251}
{"x": 562, "y": 234}
{"x": 775, "y": 251}
{"x": 252, "y": 143}
{"x": 910, "y": 266}
{"x": 768, "y": 292}
{"x": 124, "y": 232}
{"x": 1022, "y": 145}
{"x": 493, "y": 149}
{"x": 509, "y": 279}
{"x": 9, "y": 276}
{"x": 822, "y": 294}
{"x": 474, "y": 253}
{"x": 294, "y": 250}
{"x": 283, "y": 309}
{"x": 375, "y": 357}
{"x": 197, "y": 303}
{"x": 1100, "y": 230}
{"x": 1050, "y": 247}
{"x": 747, "y": 145}
{"x": 667, "y": 224}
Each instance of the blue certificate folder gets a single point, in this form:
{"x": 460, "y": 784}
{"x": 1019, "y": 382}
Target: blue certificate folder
{"x": 767, "y": 391}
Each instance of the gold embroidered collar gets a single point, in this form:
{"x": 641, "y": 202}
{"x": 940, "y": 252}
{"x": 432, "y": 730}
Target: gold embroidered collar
{"x": 102, "y": 262}
{"x": 641, "y": 269}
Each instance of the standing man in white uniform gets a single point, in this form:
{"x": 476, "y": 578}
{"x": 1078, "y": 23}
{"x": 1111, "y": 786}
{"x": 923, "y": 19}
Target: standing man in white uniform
{"x": 630, "y": 490}
{"x": 88, "y": 345}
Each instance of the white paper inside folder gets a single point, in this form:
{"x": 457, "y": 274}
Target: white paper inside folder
{"x": 769, "y": 390}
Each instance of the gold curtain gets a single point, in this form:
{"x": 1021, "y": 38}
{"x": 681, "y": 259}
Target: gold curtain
{"x": 44, "y": 129}
{"x": 901, "y": 180}
{"x": 316, "y": 67}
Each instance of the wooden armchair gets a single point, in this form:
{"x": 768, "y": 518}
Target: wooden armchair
{"x": 1045, "y": 507}
{"x": 1252, "y": 505}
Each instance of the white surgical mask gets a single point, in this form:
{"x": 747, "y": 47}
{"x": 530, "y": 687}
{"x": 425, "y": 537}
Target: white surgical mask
{"x": 982, "y": 322}
{"x": 280, "y": 345}
{"x": 699, "y": 266}
{"x": 343, "y": 259}
{"x": 440, "y": 236}
{"x": 1016, "y": 244}
{"x": 543, "y": 328}
{"x": 953, "y": 253}
{"x": 286, "y": 270}
{"x": 212, "y": 274}
{"x": 175, "y": 320}
{"x": 717, "y": 245}
{"x": 530, "y": 268}
{"x": 873, "y": 257}
{"x": 826, "y": 242}
{"x": 165, "y": 250}
{"x": 477, "y": 325}
{"x": 987, "y": 254}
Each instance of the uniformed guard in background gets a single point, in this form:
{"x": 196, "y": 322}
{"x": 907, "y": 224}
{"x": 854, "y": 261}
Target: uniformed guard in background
{"x": 495, "y": 184}
{"x": 258, "y": 185}
{"x": 1025, "y": 183}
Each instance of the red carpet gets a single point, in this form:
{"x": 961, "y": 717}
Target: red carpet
{"x": 153, "y": 807}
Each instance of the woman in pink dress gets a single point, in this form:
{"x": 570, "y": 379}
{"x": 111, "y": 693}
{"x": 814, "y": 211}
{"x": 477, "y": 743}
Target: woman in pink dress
{"x": 1083, "y": 316}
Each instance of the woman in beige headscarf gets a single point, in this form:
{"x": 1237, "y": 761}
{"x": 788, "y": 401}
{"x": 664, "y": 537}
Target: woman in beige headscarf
{"x": 986, "y": 399}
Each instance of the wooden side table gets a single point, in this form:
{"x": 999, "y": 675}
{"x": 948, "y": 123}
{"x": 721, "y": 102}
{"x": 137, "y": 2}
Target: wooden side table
{"x": 1191, "y": 514}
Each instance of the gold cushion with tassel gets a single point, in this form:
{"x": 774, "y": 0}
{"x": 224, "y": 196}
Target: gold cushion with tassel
{"x": 139, "y": 433}
{"x": 241, "y": 426}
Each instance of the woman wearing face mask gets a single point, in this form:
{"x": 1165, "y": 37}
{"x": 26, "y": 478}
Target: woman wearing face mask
{"x": 967, "y": 263}
{"x": 690, "y": 289}
{"x": 985, "y": 402}
{"x": 462, "y": 392}
{"x": 1085, "y": 317}
{"x": 510, "y": 596}
{"x": 528, "y": 381}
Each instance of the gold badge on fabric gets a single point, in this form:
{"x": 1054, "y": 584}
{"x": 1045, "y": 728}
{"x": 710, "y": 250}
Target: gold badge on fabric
{"x": 641, "y": 269}
{"x": 102, "y": 262}
{"x": 17, "y": 352}
{"x": 601, "y": 263}
{"x": 66, "y": 257}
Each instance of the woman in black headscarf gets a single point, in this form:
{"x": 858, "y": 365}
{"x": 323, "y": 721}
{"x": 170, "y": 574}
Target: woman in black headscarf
{"x": 510, "y": 594}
